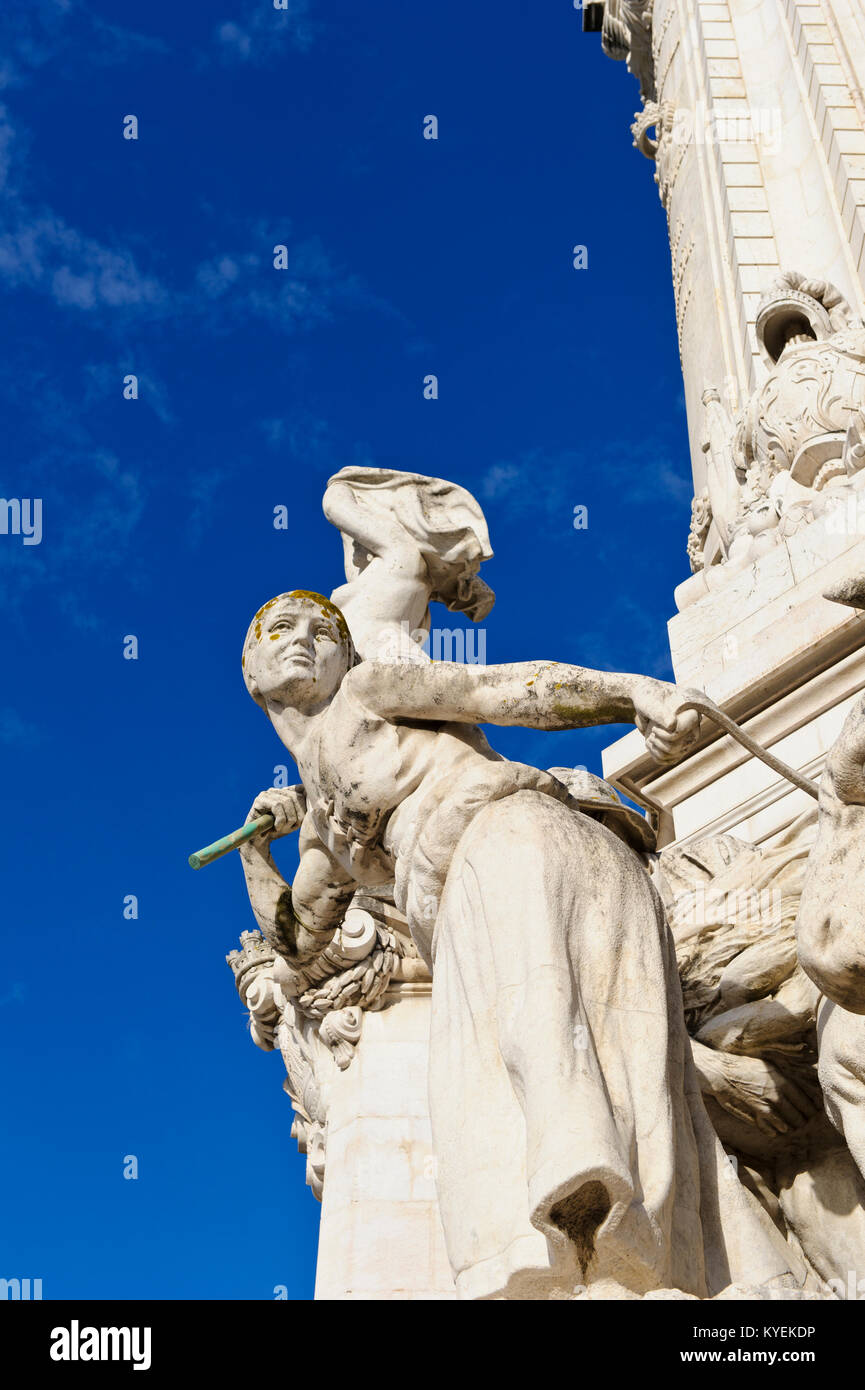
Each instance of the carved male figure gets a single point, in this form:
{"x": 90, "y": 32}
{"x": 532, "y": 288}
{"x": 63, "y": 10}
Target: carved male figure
{"x": 571, "y": 1140}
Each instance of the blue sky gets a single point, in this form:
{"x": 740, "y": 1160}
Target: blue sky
{"x": 558, "y": 387}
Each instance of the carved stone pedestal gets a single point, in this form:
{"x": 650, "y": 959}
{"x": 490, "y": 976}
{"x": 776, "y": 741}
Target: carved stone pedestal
{"x": 381, "y": 1236}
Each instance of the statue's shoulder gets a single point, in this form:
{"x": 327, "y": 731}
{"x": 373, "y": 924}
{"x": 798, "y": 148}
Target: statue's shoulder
{"x": 361, "y": 684}
{"x": 355, "y": 706}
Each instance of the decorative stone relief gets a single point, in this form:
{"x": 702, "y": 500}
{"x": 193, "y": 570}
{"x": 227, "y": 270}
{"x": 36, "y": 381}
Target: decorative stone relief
{"x": 795, "y": 452}
{"x": 667, "y": 147}
{"x": 626, "y": 35}
{"x": 752, "y": 1014}
{"x": 701, "y": 520}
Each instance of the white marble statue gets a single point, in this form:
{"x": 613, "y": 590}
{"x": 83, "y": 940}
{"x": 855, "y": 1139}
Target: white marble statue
{"x": 571, "y": 1141}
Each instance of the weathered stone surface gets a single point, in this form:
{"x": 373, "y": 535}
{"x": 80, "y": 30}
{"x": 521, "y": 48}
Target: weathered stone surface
{"x": 606, "y": 1029}
{"x": 581, "y": 1018}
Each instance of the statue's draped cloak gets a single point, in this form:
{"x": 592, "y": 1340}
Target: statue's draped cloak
{"x": 559, "y": 1059}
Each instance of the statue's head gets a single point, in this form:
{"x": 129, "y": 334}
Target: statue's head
{"x": 297, "y": 651}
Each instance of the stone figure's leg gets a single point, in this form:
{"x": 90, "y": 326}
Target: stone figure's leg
{"x": 822, "y": 1197}
{"x": 841, "y": 1069}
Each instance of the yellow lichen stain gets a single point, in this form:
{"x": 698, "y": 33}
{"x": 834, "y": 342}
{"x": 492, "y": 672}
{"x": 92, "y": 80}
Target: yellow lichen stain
{"x": 257, "y": 621}
{"x": 329, "y": 608}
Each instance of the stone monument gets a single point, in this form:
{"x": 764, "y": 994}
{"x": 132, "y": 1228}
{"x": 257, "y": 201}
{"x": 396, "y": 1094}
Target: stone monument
{"x": 658, "y": 1092}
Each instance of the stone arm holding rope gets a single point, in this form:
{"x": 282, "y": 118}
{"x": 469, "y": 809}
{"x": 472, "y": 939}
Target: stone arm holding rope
{"x": 535, "y": 695}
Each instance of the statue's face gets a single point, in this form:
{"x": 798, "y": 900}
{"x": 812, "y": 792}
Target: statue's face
{"x": 297, "y": 655}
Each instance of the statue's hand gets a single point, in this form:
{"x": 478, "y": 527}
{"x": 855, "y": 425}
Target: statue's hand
{"x": 757, "y": 1092}
{"x": 287, "y": 805}
{"x": 669, "y": 730}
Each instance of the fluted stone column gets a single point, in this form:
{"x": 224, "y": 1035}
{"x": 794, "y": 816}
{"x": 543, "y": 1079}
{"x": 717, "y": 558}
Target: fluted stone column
{"x": 753, "y": 114}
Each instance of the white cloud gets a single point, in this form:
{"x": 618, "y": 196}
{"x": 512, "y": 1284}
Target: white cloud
{"x": 242, "y": 285}
{"x": 34, "y": 33}
{"x": 545, "y": 481}
{"x": 234, "y": 38}
{"x": 263, "y": 32}
{"x": 39, "y": 250}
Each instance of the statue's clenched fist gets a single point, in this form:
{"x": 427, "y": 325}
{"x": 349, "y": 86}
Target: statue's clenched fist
{"x": 670, "y": 732}
{"x": 287, "y": 805}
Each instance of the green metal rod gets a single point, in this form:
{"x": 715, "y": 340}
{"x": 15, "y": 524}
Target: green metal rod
{"x": 229, "y": 842}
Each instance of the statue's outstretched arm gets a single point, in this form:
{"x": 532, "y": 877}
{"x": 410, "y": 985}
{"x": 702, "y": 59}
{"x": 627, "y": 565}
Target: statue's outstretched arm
{"x": 535, "y": 694}
{"x": 298, "y": 920}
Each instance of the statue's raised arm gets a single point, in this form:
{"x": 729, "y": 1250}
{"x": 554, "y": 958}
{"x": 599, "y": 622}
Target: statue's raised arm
{"x": 408, "y": 540}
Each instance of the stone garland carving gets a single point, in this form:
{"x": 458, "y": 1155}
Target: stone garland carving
{"x": 795, "y": 452}
{"x": 315, "y": 1015}
{"x": 681, "y": 250}
{"x": 667, "y": 147}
